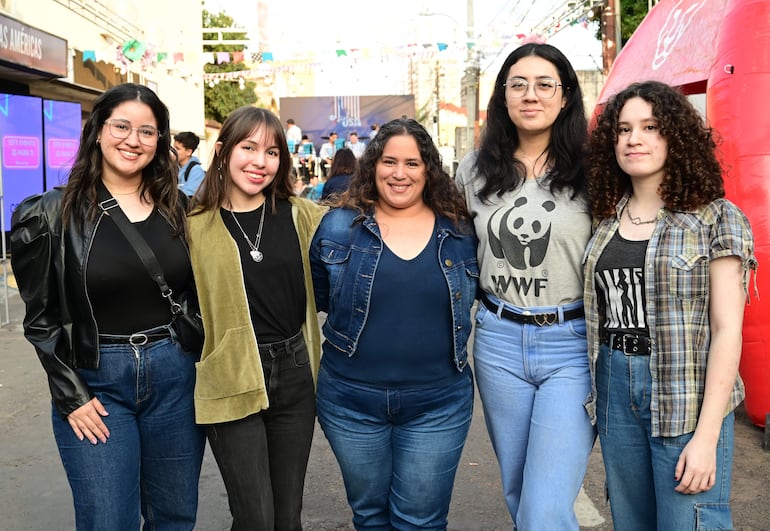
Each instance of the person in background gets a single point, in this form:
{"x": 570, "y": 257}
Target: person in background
{"x": 395, "y": 263}
{"x": 326, "y": 154}
{"x": 293, "y": 135}
{"x": 354, "y": 145}
{"x": 121, "y": 384}
{"x": 525, "y": 189}
{"x": 307, "y": 158}
{"x": 374, "y": 128}
{"x": 190, "y": 170}
{"x": 666, "y": 282}
{"x": 343, "y": 167}
{"x": 255, "y": 390}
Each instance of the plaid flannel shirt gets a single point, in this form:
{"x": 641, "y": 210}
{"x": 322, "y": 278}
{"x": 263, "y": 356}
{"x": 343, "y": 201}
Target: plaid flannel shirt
{"x": 676, "y": 284}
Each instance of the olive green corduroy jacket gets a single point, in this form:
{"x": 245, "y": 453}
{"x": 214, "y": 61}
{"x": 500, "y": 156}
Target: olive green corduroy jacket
{"x": 230, "y": 383}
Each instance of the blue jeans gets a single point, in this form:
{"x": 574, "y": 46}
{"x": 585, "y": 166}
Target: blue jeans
{"x": 534, "y": 382}
{"x": 639, "y": 467}
{"x": 263, "y": 457}
{"x": 152, "y": 459}
{"x": 398, "y": 449}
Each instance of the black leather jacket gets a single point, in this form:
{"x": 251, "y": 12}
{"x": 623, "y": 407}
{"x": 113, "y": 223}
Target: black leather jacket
{"x": 59, "y": 321}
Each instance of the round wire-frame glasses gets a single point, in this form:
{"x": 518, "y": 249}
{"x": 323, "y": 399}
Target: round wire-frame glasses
{"x": 545, "y": 87}
{"x": 121, "y": 129}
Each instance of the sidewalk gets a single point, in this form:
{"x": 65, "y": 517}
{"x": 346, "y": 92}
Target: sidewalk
{"x": 34, "y": 494}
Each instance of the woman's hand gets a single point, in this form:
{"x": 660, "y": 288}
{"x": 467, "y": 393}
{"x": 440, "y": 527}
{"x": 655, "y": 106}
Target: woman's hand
{"x": 86, "y": 421}
{"x": 696, "y": 469}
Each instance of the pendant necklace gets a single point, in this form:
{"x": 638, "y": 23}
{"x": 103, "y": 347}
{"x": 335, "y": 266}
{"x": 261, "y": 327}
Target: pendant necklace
{"x": 255, "y": 253}
{"x": 636, "y": 220}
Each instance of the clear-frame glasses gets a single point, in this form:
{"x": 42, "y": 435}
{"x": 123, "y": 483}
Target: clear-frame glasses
{"x": 545, "y": 87}
{"x": 121, "y": 129}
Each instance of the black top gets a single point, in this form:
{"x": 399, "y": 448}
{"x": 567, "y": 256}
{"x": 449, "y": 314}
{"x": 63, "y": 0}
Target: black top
{"x": 123, "y": 296}
{"x": 275, "y": 287}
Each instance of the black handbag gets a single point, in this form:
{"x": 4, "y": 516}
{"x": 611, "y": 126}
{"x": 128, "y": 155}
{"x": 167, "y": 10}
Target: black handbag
{"x": 187, "y": 321}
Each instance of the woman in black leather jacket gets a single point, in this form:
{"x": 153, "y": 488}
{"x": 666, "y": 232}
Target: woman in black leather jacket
{"x": 121, "y": 384}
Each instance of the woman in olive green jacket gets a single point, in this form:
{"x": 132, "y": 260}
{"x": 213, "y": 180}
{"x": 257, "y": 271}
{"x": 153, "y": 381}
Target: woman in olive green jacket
{"x": 249, "y": 239}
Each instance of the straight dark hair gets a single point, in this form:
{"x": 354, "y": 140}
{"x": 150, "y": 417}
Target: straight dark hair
{"x": 243, "y": 122}
{"x": 500, "y": 138}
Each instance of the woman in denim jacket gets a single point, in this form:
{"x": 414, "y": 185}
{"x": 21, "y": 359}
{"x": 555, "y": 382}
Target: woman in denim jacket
{"x": 395, "y": 270}
{"x": 666, "y": 278}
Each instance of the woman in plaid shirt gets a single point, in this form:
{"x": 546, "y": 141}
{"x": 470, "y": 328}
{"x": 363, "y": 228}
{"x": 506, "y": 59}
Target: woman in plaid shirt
{"x": 666, "y": 278}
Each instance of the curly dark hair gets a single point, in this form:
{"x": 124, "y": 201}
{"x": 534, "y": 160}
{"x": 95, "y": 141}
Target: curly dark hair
{"x": 159, "y": 177}
{"x": 440, "y": 194}
{"x": 500, "y": 138}
{"x": 693, "y": 175}
{"x": 244, "y": 121}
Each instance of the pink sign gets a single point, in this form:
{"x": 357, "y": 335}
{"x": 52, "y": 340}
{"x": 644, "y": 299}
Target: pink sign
{"x": 21, "y": 152}
{"x": 61, "y": 152}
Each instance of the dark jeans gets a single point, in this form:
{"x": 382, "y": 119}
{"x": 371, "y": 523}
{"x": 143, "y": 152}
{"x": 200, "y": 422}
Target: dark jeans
{"x": 263, "y": 457}
{"x": 152, "y": 459}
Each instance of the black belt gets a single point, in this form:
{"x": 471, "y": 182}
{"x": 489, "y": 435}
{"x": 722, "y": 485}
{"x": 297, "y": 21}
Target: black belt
{"x": 629, "y": 344}
{"x": 134, "y": 339}
{"x": 281, "y": 348}
{"x": 539, "y": 319}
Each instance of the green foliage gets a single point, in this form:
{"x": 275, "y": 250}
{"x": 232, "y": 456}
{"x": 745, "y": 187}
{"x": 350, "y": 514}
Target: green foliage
{"x": 632, "y": 12}
{"x": 224, "y": 97}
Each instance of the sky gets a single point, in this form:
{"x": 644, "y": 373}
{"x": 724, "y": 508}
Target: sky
{"x": 297, "y": 26}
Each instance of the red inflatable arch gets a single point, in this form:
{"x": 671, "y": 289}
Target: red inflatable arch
{"x": 721, "y": 48}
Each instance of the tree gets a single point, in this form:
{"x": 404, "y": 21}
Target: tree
{"x": 632, "y": 12}
{"x": 220, "y": 99}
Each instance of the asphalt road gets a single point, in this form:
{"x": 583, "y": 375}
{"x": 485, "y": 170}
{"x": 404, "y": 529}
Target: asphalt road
{"x": 34, "y": 495}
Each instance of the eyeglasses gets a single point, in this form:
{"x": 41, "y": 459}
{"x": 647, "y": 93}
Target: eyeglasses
{"x": 121, "y": 129}
{"x": 545, "y": 88}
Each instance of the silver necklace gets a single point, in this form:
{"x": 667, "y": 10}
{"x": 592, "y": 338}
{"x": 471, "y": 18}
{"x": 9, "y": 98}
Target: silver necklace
{"x": 255, "y": 253}
{"x": 636, "y": 220}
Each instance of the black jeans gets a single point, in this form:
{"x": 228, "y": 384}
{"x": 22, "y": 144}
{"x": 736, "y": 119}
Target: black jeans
{"x": 263, "y": 457}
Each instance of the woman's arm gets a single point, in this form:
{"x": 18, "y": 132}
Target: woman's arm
{"x": 696, "y": 469}
{"x": 34, "y": 248}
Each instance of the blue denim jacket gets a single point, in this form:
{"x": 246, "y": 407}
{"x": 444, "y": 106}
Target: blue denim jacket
{"x": 344, "y": 255}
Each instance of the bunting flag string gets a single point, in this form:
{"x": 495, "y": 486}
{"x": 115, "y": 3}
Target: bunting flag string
{"x": 137, "y": 55}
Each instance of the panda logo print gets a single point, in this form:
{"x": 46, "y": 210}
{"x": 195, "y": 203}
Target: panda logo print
{"x": 520, "y": 235}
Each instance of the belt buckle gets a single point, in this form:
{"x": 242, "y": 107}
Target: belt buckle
{"x": 137, "y": 340}
{"x": 626, "y": 348}
{"x": 542, "y": 319}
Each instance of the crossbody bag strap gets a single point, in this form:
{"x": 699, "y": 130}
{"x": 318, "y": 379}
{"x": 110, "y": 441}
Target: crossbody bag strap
{"x": 109, "y": 206}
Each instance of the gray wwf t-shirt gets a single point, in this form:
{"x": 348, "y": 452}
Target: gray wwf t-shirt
{"x": 531, "y": 241}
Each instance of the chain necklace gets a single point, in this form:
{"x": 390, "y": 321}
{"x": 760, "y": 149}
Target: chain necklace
{"x": 255, "y": 253}
{"x": 636, "y": 220}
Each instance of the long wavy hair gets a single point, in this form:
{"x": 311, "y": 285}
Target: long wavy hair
{"x": 440, "y": 193}
{"x": 240, "y": 124}
{"x": 159, "y": 177}
{"x": 693, "y": 175}
{"x": 495, "y": 162}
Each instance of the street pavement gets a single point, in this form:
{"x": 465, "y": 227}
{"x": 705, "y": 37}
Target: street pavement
{"x": 34, "y": 495}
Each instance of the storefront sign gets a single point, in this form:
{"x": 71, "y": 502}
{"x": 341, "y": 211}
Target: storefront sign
{"x": 32, "y": 48}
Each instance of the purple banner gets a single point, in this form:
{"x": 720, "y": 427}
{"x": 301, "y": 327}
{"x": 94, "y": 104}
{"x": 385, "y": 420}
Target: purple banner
{"x": 21, "y": 131}
{"x": 61, "y": 127}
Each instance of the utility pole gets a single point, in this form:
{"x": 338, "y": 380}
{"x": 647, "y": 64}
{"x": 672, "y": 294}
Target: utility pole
{"x": 437, "y": 96}
{"x": 611, "y": 36}
{"x": 469, "y": 94}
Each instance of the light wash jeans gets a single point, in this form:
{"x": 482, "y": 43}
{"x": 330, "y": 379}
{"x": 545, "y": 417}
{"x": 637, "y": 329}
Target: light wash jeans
{"x": 152, "y": 459}
{"x": 398, "y": 449}
{"x": 534, "y": 382}
{"x": 640, "y": 468}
